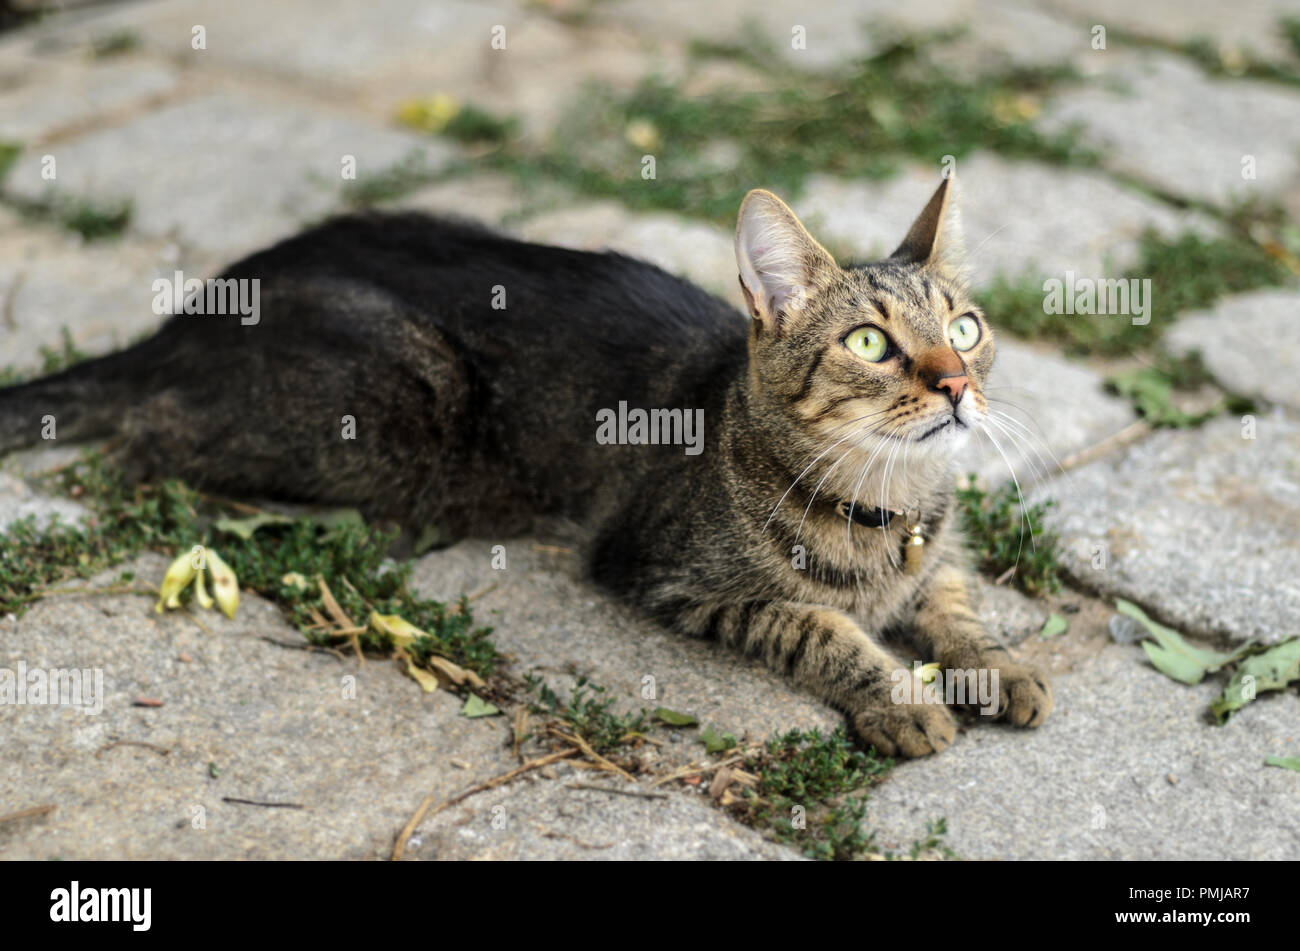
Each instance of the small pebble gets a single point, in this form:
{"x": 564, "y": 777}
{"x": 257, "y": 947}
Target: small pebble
{"x": 1125, "y": 630}
{"x": 1173, "y": 780}
{"x": 185, "y": 659}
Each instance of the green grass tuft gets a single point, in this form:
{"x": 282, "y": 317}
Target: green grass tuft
{"x": 1186, "y": 273}
{"x": 170, "y": 518}
{"x": 1004, "y": 534}
{"x": 115, "y": 44}
{"x": 816, "y": 774}
{"x": 587, "y": 713}
{"x": 895, "y": 106}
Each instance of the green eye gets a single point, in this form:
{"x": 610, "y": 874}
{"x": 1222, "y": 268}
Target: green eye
{"x": 870, "y": 343}
{"x": 964, "y": 332}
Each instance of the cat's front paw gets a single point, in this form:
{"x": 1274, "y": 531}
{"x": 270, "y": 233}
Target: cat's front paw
{"x": 1024, "y": 695}
{"x": 905, "y": 729}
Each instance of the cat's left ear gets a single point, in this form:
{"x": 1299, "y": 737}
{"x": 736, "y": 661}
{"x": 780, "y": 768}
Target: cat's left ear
{"x": 935, "y": 239}
{"x": 781, "y": 264}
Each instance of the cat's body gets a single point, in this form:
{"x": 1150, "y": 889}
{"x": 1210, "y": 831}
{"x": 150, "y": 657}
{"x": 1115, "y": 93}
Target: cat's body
{"x": 477, "y": 370}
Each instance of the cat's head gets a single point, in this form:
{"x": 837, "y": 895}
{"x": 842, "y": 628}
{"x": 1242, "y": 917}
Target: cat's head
{"x": 864, "y": 358}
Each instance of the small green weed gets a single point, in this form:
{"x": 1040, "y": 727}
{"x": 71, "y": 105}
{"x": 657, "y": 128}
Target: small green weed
{"x": 1004, "y": 534}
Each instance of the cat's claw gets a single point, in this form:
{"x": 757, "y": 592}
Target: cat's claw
{"x": 1024, "y": 696}
{"x": 906, "y": 729}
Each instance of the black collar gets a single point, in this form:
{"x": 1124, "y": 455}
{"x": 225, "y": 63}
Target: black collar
{"x": 870, "y": 517}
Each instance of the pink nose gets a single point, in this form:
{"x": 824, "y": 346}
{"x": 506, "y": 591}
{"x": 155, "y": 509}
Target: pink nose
{"x": 955, "y": 385}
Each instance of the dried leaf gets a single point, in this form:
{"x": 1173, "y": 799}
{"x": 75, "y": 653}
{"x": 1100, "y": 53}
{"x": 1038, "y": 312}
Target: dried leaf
{"x": 457, "y": 674}
{"x": 721, "y": 780}
{"x": 428, "y": 683}
{"x": 332, "y": 606}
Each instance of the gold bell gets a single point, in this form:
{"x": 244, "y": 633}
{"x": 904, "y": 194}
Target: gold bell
{"x": 912, "y": 554}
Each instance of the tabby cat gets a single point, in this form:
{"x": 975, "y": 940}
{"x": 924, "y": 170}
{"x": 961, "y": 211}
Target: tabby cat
{"x": 432, "y": 372}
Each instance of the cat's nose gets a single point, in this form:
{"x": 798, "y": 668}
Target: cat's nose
{"x": 955, "y": 384}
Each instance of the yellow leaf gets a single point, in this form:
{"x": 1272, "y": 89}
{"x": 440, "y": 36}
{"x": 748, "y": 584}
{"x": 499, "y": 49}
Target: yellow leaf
{"x": 179, "y": 575}
{"x": 431, "y": 114}
{"x": 201, "y": 593}
{"x": 402, "y": 632}
{"x": 428, "y": 683}
{"x": 225, "y": 586}
{"x": 456, "y": 673}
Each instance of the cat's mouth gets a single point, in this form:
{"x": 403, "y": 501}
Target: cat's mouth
{"x": 953, "y": 421}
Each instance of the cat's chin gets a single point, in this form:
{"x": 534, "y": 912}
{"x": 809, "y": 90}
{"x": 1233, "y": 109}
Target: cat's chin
{"x": 943, "y": 439}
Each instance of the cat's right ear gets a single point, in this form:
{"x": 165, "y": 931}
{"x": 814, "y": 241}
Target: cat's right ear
{"x": 781, "y": 265}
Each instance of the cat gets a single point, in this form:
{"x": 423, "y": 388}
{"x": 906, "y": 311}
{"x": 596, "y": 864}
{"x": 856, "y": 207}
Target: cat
{"x": 432, "y": 372}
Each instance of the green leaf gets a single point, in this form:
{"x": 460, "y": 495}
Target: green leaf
{"x": 476, "y": 706}
{"x": 339, "y": 522}
{"x": 716, "y": 742}
{"x": 1055, "y": 624}
{"x": 1286, "y": 762}
{"x": 1272, "y": 668}
{"x": 245, "y": 527}
{"x": 1173, "y": 656}
{"x": 673, "y": 718}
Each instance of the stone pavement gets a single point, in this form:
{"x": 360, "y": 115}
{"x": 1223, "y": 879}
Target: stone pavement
{"x": 223, "y": 149}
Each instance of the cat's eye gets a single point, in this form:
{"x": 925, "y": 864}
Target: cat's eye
{"x": 869, "y": 343}
{"x": 964, "y": 332}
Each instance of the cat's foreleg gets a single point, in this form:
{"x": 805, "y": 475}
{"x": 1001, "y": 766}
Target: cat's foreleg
{"x": 948, "y": 630}
{"x": 823, "y": 650}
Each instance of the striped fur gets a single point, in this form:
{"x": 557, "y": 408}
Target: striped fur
{"x": 755, "y": 552}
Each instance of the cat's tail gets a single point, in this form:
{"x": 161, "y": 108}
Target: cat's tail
{"x": 86, "y": 401}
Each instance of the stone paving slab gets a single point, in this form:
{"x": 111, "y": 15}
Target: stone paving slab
{"x": 279, "y": 727}
{"x": 1201, "y": 527}
{"x": 61, "y": 95}
{"x": 101, "y": 293}
{"x": 1248, "y": 343}
{"x": 1127, "y": 767}
{"x": 1241, "y": 25}
{"x": 18, "y": 500}
{"x": 1161, "y": 120}
{"x": 557, "y": 625}
{"x": 540, "y": 818}
{"x": 225, "y": 173}
{"x": 1018, "y": 217}
{"x": 700, "y": 252}
{"x": 274, "y": 721}
{"x": 999, "y": 32}
{"x": 383, "y": 52}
